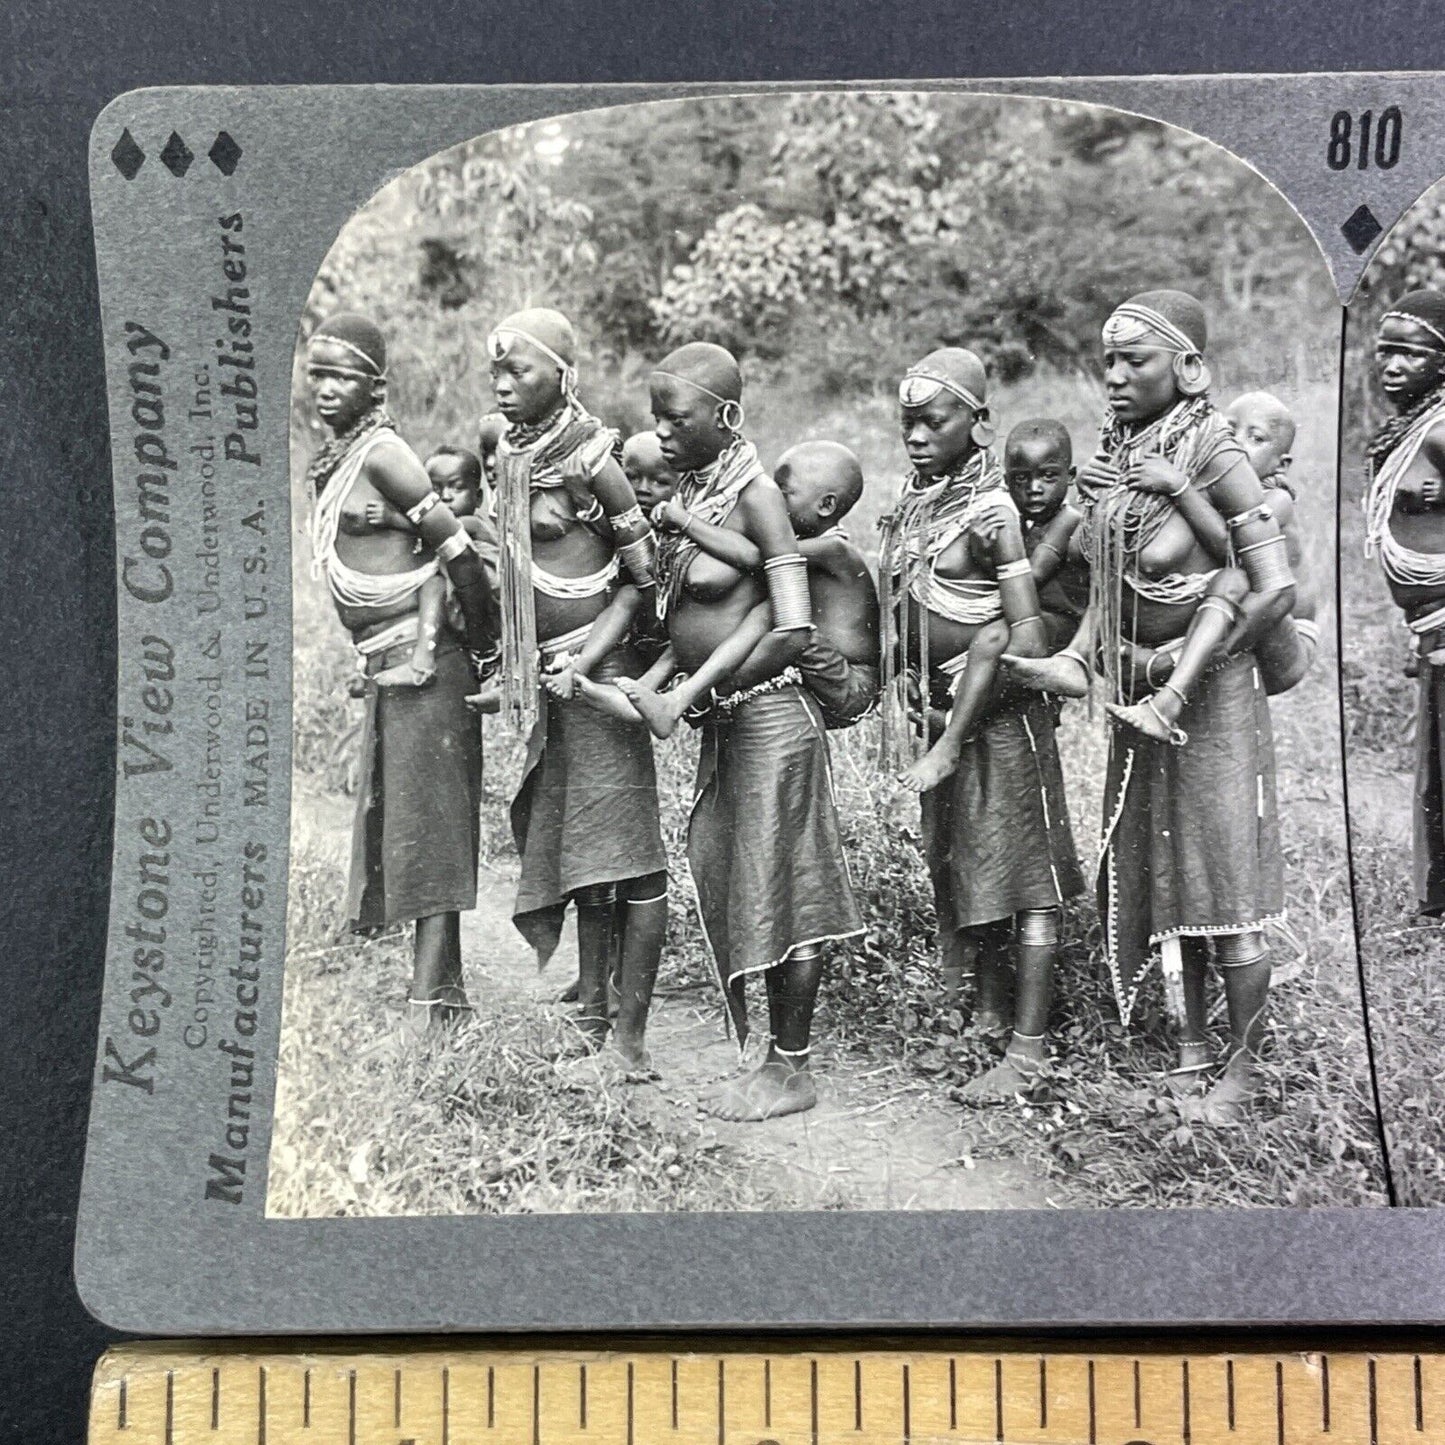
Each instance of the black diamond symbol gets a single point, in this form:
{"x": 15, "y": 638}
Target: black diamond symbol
{"x": 225, "y": 154}
{"x": 177, "y": 157}
{"x": 1362, "y": 229}
{"x": 127, "y": 155}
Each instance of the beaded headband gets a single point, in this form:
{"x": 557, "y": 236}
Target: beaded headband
{"x": 498, "y": 346}
{"x": 372, "y": 373}
{"x": 1132, "y": 324}
{"x": 921, "y": 384}
{"x": 1419, "y": 321}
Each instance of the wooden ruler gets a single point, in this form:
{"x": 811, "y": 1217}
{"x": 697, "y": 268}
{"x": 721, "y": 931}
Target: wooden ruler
{"x": 808, "y": 1394}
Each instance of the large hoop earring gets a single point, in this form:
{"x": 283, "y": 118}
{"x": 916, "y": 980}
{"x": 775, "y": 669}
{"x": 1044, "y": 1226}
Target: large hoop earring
{"x": 1191, "y": 374}
{"x": 983, "y": 432}
{"x": 730, "y": 416}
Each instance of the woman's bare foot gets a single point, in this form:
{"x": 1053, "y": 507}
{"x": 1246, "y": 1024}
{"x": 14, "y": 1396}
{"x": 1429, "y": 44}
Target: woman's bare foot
{"x": 609, "y": 1065}
{"x": 572, "y": 993}
{"x": 1148, "y": 718}
{"x": 607, "y": 699}
{"x": 1229, "y": 1101}
{"x": 938, "y": 763}
{"x": 1064, "y": 676}
{"x": 991, "y": 1025}
{"x": 660, "y": 711}
{"x": 1007, "y": 1080}
{"x": 425, "y": 1018}
{"x": 1186, "y": 1079}
{"x": 770, "y": 1092}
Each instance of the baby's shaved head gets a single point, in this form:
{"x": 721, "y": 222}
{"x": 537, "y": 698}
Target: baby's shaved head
{"x": 643, "y": 449}
{"x": 823, "y": 466}
{"x": 712, "y": 368}
{"x": 1042, "y": 430}
{"x": 1267, "y": 411}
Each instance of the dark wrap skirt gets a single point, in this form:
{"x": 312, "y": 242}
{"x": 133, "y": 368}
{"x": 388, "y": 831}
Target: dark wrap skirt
{"x": 418, "y": 810}
{"x": 1429, "y": 819}
{"x": 763, "y": 844}
{"x": 845, "y": 691}
{"x": 996, "y": 834}
{"x": 1191, "y": 834}
{"x": 586, "y": 810}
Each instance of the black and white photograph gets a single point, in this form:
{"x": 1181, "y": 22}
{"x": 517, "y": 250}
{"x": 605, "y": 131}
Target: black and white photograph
{"x": 814, "y": 672}
{"x": 1392, "y": 591}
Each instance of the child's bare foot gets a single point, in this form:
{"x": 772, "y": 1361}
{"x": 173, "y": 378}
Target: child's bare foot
{"x": 356, "y": 685}
{"x": 606, "y": 699}
{"x": 660, "y": 712}
{"x": 1064, "y": 676}
{"x": 405, "y": 674}
{"x": 487, "y": 699}
{"x": 938, "y": 763}
{"x": 1147, "y": 717}
{"x": 772, "y": 1091}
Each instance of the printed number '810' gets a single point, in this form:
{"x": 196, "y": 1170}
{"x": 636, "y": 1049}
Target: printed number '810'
{"x": 1370, "y": 140}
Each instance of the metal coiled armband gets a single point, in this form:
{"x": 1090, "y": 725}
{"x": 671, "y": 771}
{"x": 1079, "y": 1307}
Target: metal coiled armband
{"x": 638, "y": 558}
{"x": 1266, "y": 564}
{"x": 788, "y": 592}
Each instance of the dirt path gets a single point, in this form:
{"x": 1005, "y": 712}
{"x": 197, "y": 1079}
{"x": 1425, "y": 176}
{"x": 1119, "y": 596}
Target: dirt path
{"x": 879, "y": 1139}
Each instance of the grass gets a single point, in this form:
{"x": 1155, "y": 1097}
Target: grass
{"x": 449, "y": 1135}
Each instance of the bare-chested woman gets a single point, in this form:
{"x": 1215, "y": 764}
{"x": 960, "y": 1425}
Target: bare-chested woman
{"x": 763, "y": 842}
{"x": 414, "y": 847}
{"x": 1191, "y": 837}
{"x": 1000, "y": 855}
{"x": 585, "y": 816}
{"x": 1405, "y": 512}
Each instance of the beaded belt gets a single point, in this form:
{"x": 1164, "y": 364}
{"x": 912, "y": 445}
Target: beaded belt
{"x": 555, "y": 647}
{"x": 788, "y": 677}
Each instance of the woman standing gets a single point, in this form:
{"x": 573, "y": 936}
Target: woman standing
{"x": 1190, "y": 851}
{"x": 416, "y": 834}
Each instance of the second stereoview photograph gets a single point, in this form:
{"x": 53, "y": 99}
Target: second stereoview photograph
{"x": 815, "y": 674}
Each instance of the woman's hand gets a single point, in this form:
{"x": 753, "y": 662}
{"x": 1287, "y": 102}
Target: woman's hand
{"x": 375, "y": 513}
{"x": 1096, "y": 476}
{"x": 671, "y": 516}
{"x": 1157, "y": 475}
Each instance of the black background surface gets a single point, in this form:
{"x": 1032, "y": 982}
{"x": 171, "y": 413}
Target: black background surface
{"x": 59, "y": 64}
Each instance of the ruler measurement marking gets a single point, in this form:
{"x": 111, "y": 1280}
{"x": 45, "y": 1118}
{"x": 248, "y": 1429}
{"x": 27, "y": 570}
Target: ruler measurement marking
{"x": 858, "y": 1394}
{"x": 1093, "y": 1409}
{"x": 907, "y": 1407}
{"x": 261, "y": 1406}
{"x": 582, "y": 1396}
{"x": 1184, "y": 1400}
{"x": 767, "y": 1393}
{"x": 1279, "y": 1402}
{"x": 998, "y": 1399}
{"x": 1229, "y": 1392}
{"x": 1419, "y": 1397}
{"x": 1374, "y": 1405}
{"x": 1043, "y": 1394}
{"x": 1138, "y": 1401}
{"x": 1325, "y": 1393}
{"x": 170, "y": 1406}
